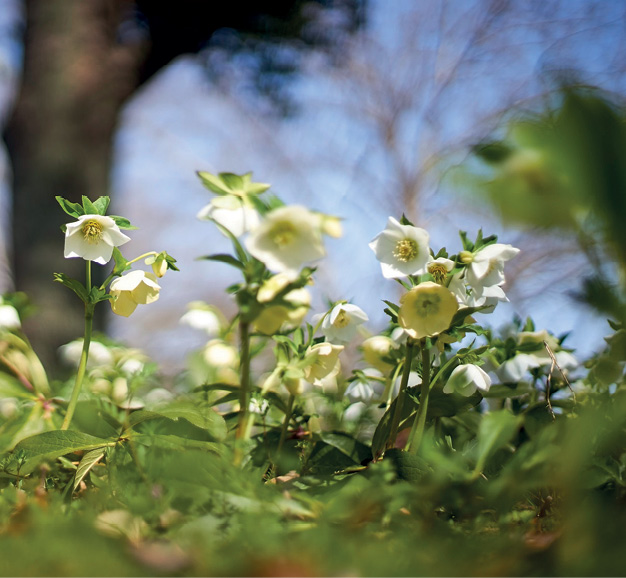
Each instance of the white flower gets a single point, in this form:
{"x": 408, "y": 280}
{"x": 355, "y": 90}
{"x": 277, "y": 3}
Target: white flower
{"x": 9, "y": 318}
{"x": 274, "y": 317}
{"x": 132, "y": 289}
{"x": 99, "y": 354}
{"x": 362, "y": 392}
{"x": 287, "y": 238}
{"x": 217, "y": 353}
{"x": 401, "y": 249}
{"x": 93, "y": 237}
{"x": 232, "y": 213}
{"x": 514, "y": 369}
{"x": 203, "y": 317}
{"x": 340, "y": 325}
{"x": 486, "y": 268}
{"x": 466, "y": 379}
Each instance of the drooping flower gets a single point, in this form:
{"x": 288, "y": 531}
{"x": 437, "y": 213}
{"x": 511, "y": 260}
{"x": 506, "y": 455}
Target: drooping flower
{"x": 289, "y": 315}
{"x": 201, "y": 316}
{"x": 486, "y": 266}
{"x": 340, "y": 325}
{"x": 324, "y": 360}
{"x": 427, "y": 310}
{"x": 376, "y": 350}
{"x": 232, "y": 213}
{"x": 401, "y": 249}
{"x": 99, "y": 354}
{"x": 466, "y": 379}
{"x": 93, "y": 237}
{"x": 287, "y": 238}
{"x": 132, "y": 289}
{"x": 218, "y": 353}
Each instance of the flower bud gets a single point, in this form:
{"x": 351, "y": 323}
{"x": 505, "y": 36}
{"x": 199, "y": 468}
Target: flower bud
{"x": 466, "y": 257}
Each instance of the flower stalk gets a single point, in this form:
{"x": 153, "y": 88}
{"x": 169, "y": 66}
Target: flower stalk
{"x": 397, "y": 415}
{"x": 417, "y": 430}
{"x": 84, "y": 356}
{"x": 285, "y": 428}
{"x": 242, "y": 432}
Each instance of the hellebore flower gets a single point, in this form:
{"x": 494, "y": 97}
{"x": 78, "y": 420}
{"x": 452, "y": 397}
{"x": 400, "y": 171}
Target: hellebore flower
{"x": 486, "y": 266}
{"x": 427, "y": 310}
{"x": 340, "y": 325}
{"x": 324, "y": 359}
{"x": 273, "y": 317}
{"x": 287, "y": 238}
{"x": 232, "y": 214}
{"x": 401, "y": 249}
{"x": 376, "y": 349}
{"x": 439, "y": 268}
{"x": 201, "y": 316}
{"x": 93, "y": 237}
{"x": 466, "y": 379}
{"x": 134, "y": 288}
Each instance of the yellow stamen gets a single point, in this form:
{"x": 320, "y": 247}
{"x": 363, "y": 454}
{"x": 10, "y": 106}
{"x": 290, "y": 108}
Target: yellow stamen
{"x": 342, "y": 320}
{"x": 405, "y": 250}
{"x": 92, "y": 231}
{"x": 282, "y": 234}
{"x": 438, "y": 271}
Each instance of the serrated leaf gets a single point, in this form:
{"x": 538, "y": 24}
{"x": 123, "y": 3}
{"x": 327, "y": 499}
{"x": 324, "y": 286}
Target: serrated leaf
{"x": 122, "y": 222}
{"x": 50, "y": 445}
{"x": 121, "y": 264}
{"x": 90, "y": 459}
{"x": 76, "y": 286}
{"x": 101, "y": 204}
{"x": 72, "y": 209}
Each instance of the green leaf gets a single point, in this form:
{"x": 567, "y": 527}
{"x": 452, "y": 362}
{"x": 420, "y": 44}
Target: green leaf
{"x": 90, "y": 459}
{"x": 72, "y": 209}
{"x": 97, "y": 294}
{"x": 89, "y": 207}
{"x": 496, "y": 430}
{"x": 213, "y": 183}
{"x": 121, "y": 264}
{"x": 233, "y": 182}
{"x": 384, "y": 425}
{"x": 224, "y": 258}
{"x": 101, "y": 204}
{"x": 51, "y": 445}
{"x": 409, "y": 467}
{"x": 122, "y": 222}
{"x": 74, "y": 285}
{"x": 345, "y": 443}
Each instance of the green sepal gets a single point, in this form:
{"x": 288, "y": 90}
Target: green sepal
{"x": 213, "y": 183}
{"x": 101, "y": 204}
{"x": 405, "y": 221}
{"x": 89, "y": 207}
{"x": 74, "y": 285}
{"x": 122, "y": 222}
{"x": 72, "y": 209}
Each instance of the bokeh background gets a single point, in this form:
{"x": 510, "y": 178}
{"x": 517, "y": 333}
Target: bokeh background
{"x": 358, "y": 108}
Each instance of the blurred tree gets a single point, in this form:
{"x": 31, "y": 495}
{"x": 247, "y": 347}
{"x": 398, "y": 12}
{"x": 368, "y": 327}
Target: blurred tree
{"x": 82, "y": 61}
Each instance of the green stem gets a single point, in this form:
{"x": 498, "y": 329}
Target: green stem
{"x": 244, "y": 387}
{"x": 82, "y": 366}
{"x": 417, "y": 431}
{"x": 285, "y": 428}
{"x": 397, "y": 415}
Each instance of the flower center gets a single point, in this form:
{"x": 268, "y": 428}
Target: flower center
{"x": 405, "y": 250}
{"x": 92, "y": 231}
{"x": 427, "y": 305}
{"x": 438, "y": 271}
{"x": 282, "y": 234}
{"x": 342, "y": 320}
